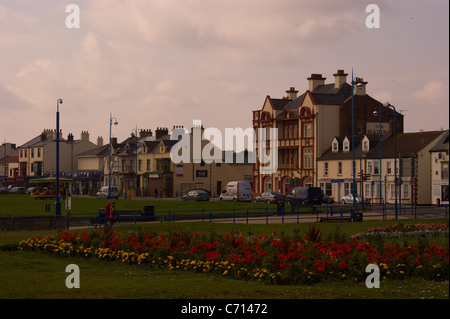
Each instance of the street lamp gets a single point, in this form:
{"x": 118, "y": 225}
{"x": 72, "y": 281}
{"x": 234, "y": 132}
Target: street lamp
{"x": 133, "y": 135}
{"x": 110, "y": 150}
{"x": 57, "y": 203}
{"x": 379, "y": 113}
{"x": 359, "y": 84}
{"x": 388, "y": 105}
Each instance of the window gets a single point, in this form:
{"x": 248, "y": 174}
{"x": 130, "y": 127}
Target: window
{"x": 325, "y": 168}
{"x": 39, "y": 152}
{"x": 140, "y": 165}
{"x": 376, "y": 167}
{"x": 307, "y": 157}
{"x": 444, "y": 170}
{"x": 389, "y": 167}
{"x": 267, "y": 184}
{"x": 148, "y": 165}
{"x": 346, "y": 145}
{"x": 335, "y": 146}
{"x": 405, "y": 193}
{"x": 307, "y": 182}
{"x": 339, "y": 168}
{"x": 307, "y": 130}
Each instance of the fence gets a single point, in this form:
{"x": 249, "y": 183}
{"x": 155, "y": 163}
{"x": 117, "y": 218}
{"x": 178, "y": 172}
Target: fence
{"x": 271, "y": 214}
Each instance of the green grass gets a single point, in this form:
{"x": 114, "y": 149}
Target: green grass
{"x": 24, "y": 205}
{"x": 27, "y": 275}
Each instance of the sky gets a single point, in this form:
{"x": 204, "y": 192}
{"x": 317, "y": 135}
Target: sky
{"x": 165, "y": 63}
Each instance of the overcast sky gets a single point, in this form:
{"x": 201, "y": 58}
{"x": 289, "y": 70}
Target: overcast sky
{"x": 155, "y": 63}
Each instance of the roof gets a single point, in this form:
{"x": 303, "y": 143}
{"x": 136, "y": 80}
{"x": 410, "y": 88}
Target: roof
{"x": 440, "y": 145}
{"x": 407, "y": 143}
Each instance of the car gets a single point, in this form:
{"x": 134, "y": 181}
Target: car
{"x": 114, "y": 192}
{"x": 305, "y": 196}
{"x": 4, "y": 190}
{"x": 18, "y": 190}
{"x": 197, "y": 195}
{"x": 348, "y": 199}
{"x": 327, "y": 199}
{"x": 270, "y": 197}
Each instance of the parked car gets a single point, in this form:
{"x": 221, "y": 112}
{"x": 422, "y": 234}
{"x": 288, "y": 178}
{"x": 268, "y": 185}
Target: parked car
{"x": 18, "y": 190}
{"x": 305, "y": 196}
{"x": 348, "y": 199}
{"x": 327, "y": 199}
{"x": 270, "y": 197}
{"x": 103, "y": 192}
{"x": 4, "y": 190}
{"x": 197, "y": 195}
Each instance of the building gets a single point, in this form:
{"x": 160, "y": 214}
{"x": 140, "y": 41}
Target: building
{"x": 307, "y": 123}
{"x": 335, "y": 169}
{"x": 9, "y": 169}
{"x": 211, "y": 175}
{"x": 439, "y": 171}
{"x": 37, "y": 157}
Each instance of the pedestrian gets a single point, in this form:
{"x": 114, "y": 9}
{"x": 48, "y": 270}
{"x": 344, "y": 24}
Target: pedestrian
{"x": 112, "y": 213}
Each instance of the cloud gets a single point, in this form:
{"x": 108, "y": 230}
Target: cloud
{"x": 433, "y": 91}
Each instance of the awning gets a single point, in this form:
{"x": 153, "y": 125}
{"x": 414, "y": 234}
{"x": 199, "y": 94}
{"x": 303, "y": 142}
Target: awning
{"x": 50, "y": 179}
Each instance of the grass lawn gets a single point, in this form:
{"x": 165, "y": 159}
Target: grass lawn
{"x": 24, "y": 205}
{"x": 29, "y": 275}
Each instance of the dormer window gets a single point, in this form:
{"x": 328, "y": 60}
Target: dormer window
{"x": 335, "y": 146}
{"x": 346, "y": 145}
{"x": 365, "y": 144}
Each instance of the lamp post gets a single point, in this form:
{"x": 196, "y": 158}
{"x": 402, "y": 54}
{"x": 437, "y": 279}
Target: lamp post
{"x": 110, "y": 150}
{"x": 353, "y": 141}
{"x": 57, "y": 203}
{"x": 359, "y": 84}
{"x": 388, "y": 105}
{"x": 379, "y": 114}
{"x": 133, "y": 135}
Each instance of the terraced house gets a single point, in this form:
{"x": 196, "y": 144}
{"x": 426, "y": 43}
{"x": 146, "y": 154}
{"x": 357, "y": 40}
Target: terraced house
{"x": 37, "y": 157}
{"x": 375, "y": 179}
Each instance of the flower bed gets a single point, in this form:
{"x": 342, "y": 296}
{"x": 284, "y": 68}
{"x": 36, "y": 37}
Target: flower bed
{"x": 275, "y": 259}
{"x": 406, "y": 230}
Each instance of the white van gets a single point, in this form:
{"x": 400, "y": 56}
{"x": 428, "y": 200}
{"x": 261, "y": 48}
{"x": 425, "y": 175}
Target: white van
{"x": 237, "y": 191}
{"x": 103, "y": 192}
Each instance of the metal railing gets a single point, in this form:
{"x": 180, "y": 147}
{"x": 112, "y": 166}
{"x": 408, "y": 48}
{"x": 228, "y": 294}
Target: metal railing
{"x": 270, "y": 214}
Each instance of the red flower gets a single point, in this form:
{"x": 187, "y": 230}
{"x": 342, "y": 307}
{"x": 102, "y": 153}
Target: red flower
{"x": 343, "y": 265}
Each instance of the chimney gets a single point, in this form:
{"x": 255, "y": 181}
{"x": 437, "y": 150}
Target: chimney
{"x": 43, "y": 135}
{"x": 315, "y": 80}
{"x": 161, "y": 132}
{"x": 292, "y": 93}
{"x": 359, "y": 86}
{"x": 70, "y": 137}
{"x": 339, "y": 78}
{"x": 99, "y": 141}
{"x": 113, "y": 140}
{"x": 84, "y": 136}
{"x": 145, "y": 133}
